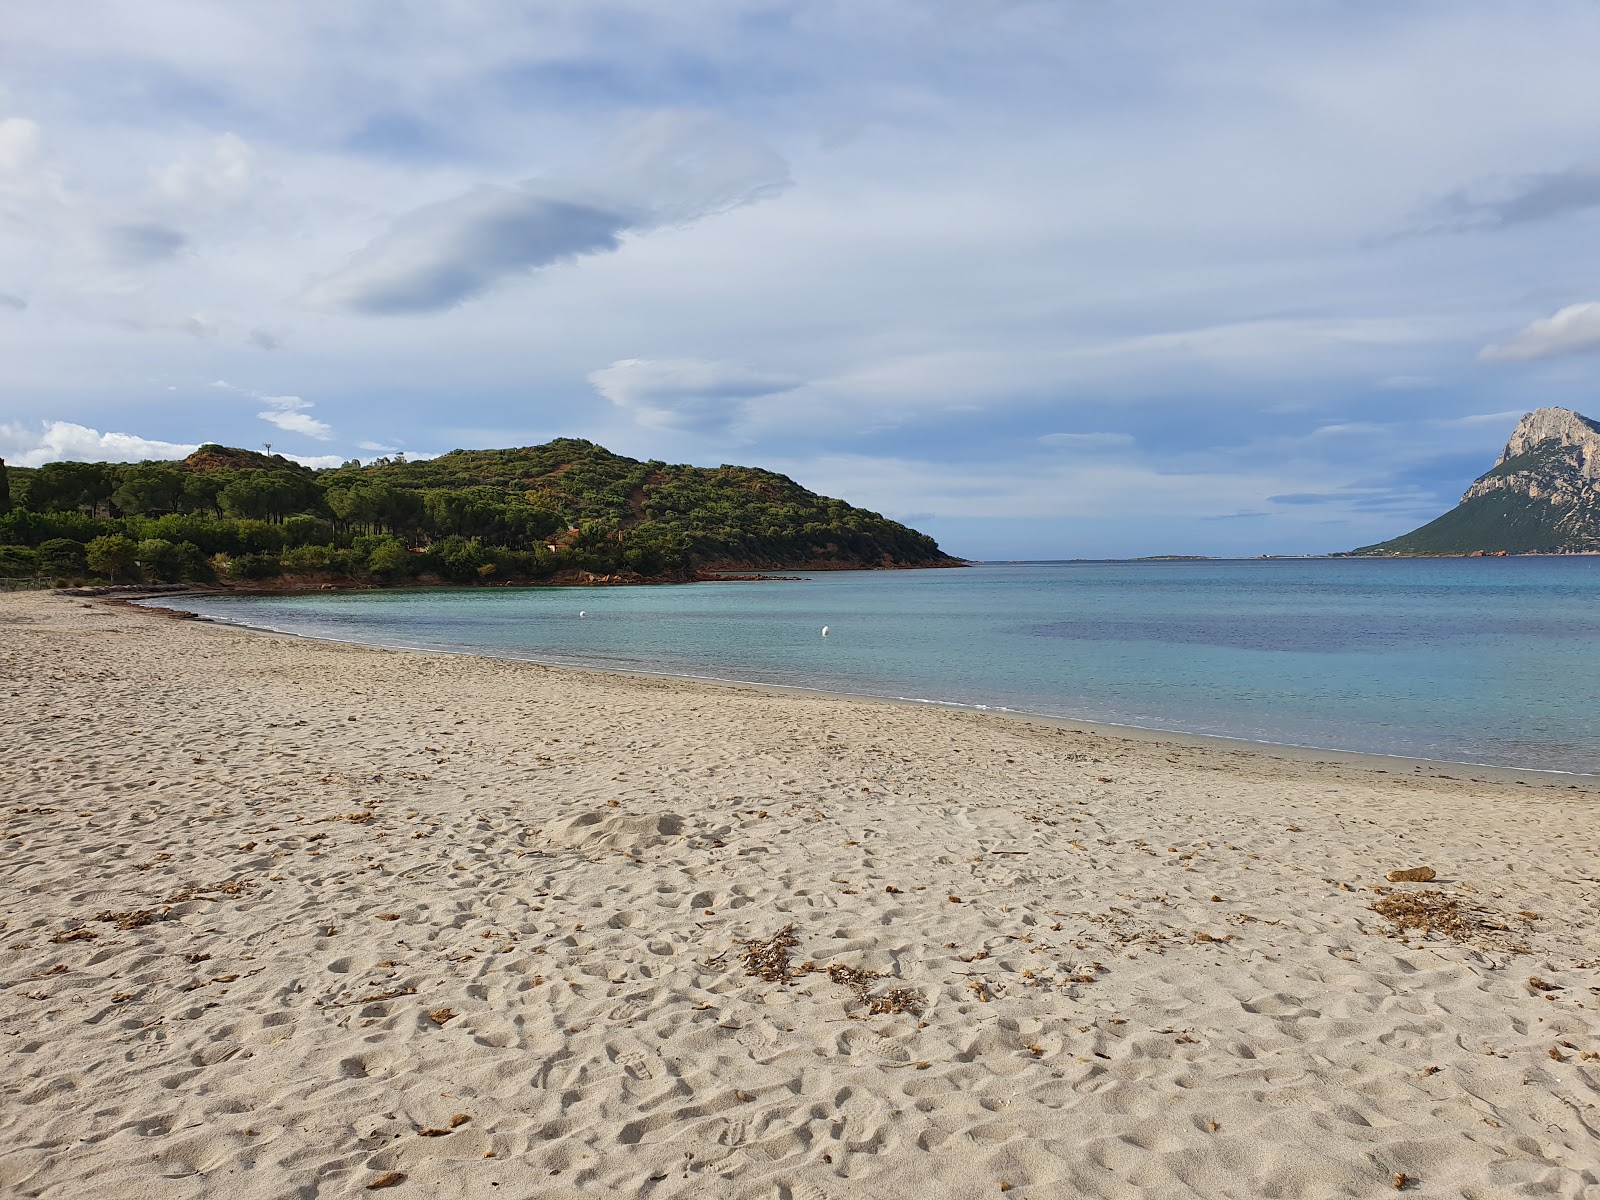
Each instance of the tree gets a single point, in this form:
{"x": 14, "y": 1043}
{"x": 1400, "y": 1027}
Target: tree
{"x": 68, "y": 485}
{"x": 111, "y": 555}
{"x": 5, "y": 489}
{"x": 152, "y": 488}
{"x": 269, "y": 494}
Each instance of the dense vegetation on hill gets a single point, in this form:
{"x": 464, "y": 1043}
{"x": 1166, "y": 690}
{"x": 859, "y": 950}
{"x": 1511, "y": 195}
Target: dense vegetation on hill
{"x": 566, "y": 509}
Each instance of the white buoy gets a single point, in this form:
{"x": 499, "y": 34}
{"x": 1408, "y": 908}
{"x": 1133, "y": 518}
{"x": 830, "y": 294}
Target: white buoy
{"x": 583, "y": 614}
{"x": 824, "y": 631}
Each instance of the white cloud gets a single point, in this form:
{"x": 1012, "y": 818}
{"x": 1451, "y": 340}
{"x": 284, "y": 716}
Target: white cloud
{"x": 376, "y": 447}
{"x": 63, "y": 441}
{"x": 1088, "y": 441}
{"x": 29, "y": 178}
{"x": 1573, "y": 330}
{"x": 317, "y": 462}
{"x": 1407, "y": 383}
{"x": 21, "y": 146}
{"x": 1507, "y": 417}
{"x": 291, "y": 414}
{"x": 685, "y": 393}
{"x": 1349, "y": 429}
{"x": 219, "y": 175}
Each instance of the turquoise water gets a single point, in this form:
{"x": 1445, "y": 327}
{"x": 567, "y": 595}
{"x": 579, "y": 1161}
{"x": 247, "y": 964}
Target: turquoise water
{"x": 1493, "y": 661}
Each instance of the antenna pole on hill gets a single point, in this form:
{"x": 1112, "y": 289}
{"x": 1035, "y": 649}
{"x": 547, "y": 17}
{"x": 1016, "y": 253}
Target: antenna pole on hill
{"x": 267, "y": 446}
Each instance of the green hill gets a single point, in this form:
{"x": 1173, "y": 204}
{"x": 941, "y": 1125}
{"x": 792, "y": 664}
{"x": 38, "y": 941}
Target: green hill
{"x": 564, "y": 510}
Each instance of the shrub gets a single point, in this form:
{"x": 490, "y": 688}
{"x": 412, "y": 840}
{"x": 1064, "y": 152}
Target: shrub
{"x": 160, "y": 560}
{"x": 252, "y": 566}
{"x": 61, "y": 556}
{"x": 390, "y": 558}
{"x": 315, "y": 558}
{"x": 18, "y": 560}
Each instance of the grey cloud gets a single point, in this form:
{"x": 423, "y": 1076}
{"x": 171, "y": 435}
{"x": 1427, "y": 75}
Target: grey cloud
{"x": 1088, "y": 441}
{"x": 1307, "y": 498}
{"x": 686, "y": 393}
{"x": 446, "y": 253}
{"x": 1519, "y": 201}
{"x": 15, "y": 303}
{"x": 667, "y": 168}
{"x": 142, "y": 242}
{"x": 265, "y": 339}
{"x": 1383, "y": 500}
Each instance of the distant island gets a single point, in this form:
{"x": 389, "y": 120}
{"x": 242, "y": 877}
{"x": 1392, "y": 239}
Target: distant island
{"x": 568, "y": 511}
{"x": 1541, "y": 497}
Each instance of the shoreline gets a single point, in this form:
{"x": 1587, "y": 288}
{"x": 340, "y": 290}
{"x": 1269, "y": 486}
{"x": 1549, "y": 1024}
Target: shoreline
{"x": 1375, "y": 762}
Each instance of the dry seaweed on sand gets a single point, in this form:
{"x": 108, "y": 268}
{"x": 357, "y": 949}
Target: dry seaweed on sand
{"x": 232, "y": 888}
{"x": 895, "y": 1000}
{"x": 1432, "y": 912}
{"x": 132, "y": 919}
{"x": 859, "y": 981}
{"x": 768, "y": 958}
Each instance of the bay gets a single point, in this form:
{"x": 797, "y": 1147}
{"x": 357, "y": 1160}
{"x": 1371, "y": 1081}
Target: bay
{"x": 1490, "y": 661}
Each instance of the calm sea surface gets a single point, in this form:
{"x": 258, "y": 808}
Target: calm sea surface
{"x": 1493, "y": 661}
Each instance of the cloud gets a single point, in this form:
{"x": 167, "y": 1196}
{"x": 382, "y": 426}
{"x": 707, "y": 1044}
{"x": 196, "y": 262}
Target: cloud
{"x": 1402, "y": 499}
{"x": 1573, "y": 330}
{"x": 1520, "y": 201}
{"x": 376, "y": 447}
{"x": 15, "y": 303}
{"x": 21, "y": 146}
{"x": 1407, "y": 383}
{"x": 142, "y": 242}
{"x": 1506, "y": 417}
{"x": 688, "y": 394}
{"x": 669, "y": 168}
{"x": 220, "y": 175}
{"x": 28, "y": 178}
{"x": 447, "y": 253}
{"x": 1088, "y": 441}
{"x": 63, "y": 441}
{"x": 264, "y": 339}
{"x": 290, "y": 413}
{"x": 317, "y": 462}
{"x": 1349, "y": 429}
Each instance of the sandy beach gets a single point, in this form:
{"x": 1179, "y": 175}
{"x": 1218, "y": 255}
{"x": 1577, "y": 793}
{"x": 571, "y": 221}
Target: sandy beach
{"x": 293, "y": 918}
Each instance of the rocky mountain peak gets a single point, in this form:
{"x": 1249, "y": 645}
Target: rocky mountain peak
{"x": 1561, "y": 426}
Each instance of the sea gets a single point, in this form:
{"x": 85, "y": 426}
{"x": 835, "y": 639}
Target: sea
{"x": 1491, "y": 661}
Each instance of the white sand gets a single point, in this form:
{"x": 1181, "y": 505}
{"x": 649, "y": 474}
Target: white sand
{"x": 1163, "y": 976}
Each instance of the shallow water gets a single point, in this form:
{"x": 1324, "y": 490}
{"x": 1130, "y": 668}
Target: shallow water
{"x": 1493, "y": 661}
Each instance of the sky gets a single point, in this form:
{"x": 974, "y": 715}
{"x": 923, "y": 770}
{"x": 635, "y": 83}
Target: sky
{"x": 1044, "y": 280}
